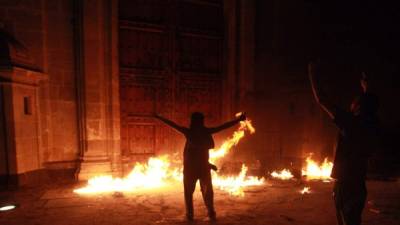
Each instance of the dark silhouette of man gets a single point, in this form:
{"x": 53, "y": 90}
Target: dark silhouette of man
{"x": 357, "y": 132}
{"x": 195, "y": 159}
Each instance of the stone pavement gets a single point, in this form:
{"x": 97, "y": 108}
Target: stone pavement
{"x": 275, "y": 203}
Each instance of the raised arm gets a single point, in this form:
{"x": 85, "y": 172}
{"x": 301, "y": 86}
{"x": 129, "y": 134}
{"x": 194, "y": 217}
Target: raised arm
{"x": 227, "y": 124}
{"x": 171, "y": 124}
{"x": 319, "y": 95}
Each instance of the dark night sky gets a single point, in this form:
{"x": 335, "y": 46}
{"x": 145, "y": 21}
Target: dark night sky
{"x": 347, "y": 36}
{"x": 367, "y": 32}
{"x": 365, "y": 35}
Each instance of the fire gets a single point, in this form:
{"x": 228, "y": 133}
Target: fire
{"x": 284, "y": 174}
{"x": 313, "y": 171}
{"x": 234, "y": 184}
{"x": 156, "y": 173}
{"x": 159, "y": 172}
{"x": 246, "y": 125}
{"x": 306, "y": 190}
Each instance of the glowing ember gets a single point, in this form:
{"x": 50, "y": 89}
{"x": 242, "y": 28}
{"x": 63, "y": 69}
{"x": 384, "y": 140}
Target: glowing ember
{"x": 313, "y": 171}
{"x": 306, "y": 190}
{"x": 7, "y": 207}
{"x": 158, "y": 172}
{"x": 284, "y": 174}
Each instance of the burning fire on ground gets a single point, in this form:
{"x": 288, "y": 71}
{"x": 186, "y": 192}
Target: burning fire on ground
{"x": 305, "y": 190}
{"x": 315, "y": 171}
{"x": 159, "y": 172}
{"x": 312, "y": 171}
{"x": 284, "y": 174}
{"x": 163, "y": 171}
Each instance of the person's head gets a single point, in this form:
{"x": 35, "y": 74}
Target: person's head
{"x": 197, "y": 120}
{"x": 365, "y": 105}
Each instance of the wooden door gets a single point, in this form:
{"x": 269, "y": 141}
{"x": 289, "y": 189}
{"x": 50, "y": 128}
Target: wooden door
{"x": 171, "y": 64}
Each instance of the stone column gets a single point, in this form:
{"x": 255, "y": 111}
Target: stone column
{"x": 114, "y": 107}
{"x": 246, "y": 55}
{"x": 230, "y": 57}
{"x": 98, "y": 88}
{"x": 239, "y": 54}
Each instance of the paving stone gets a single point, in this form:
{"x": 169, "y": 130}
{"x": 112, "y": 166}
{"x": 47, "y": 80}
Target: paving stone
{"x": 279, "y": 204}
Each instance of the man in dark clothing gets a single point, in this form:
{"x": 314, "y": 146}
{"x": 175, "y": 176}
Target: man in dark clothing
{"x": 356, "y": 139}
{"x": 195, "y": 159}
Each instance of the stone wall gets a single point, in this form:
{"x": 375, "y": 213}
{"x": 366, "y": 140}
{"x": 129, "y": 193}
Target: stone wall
{"x": 23, "y": 20}
{"x": 290, "y": 124}
{"x": 58, "y": 94}
{"x": 47, "y": 139}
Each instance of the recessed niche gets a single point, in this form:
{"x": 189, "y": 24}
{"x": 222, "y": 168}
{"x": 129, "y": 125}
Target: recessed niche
{"x": 27, "y": 105}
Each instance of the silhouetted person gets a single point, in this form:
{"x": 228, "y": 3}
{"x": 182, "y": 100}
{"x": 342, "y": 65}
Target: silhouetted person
{"x": 195, "y": 159}
{"x": 357, "y": 132}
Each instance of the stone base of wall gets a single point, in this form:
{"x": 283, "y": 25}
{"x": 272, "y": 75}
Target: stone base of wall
{"x": 89, "y": 169}
{"x": 38, "y": 177}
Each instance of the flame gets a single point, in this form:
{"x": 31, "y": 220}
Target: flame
{"x": 234, "y": 184}
{"x": 158, "y": 172}
{"x": 284, "y": 174}
{"x": 306, "y": 190}
{"x": 313, "y": 171}
{"x": 245, "y": 125}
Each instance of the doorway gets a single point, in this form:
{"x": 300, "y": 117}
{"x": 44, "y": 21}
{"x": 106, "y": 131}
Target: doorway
{"x": 171, "y": 63}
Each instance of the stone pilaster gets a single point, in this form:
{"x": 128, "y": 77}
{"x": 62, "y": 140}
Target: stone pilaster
{"x": 239, "y": 54}
{"x": 231, "y": 52}
{"x": 246, "y": 55}
{"x": 98, "y": 89}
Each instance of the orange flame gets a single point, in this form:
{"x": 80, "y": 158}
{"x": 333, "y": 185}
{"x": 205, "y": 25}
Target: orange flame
{"x": 234, "y": 184}
{"x": 313, "y": 171}
{"x": 158, "y": 172}
{"x": 284, "y": 174}
{"x": 306, "y": 190}
{"x": 246, "y": 125}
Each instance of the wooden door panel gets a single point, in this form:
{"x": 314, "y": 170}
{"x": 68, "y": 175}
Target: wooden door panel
{"x": 201, "y": 17}
{"x": 145, "y": 11}
{"x": 138, "y": 100}
{"x": 199, "y": 54}
{"x": 143, "y": 95}
{"x": 141, "y": 138}
{"x": 143, "y": 49}
{"x": 170, "y": 55}
{"x": 200, "y": 96}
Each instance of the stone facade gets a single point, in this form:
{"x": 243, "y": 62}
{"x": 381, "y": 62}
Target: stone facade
{"x": 73, "y": 121}
{"x": 47, "y": 137}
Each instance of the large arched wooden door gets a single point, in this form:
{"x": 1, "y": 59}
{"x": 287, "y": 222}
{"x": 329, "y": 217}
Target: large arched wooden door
{"x": 171, "y": 55}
